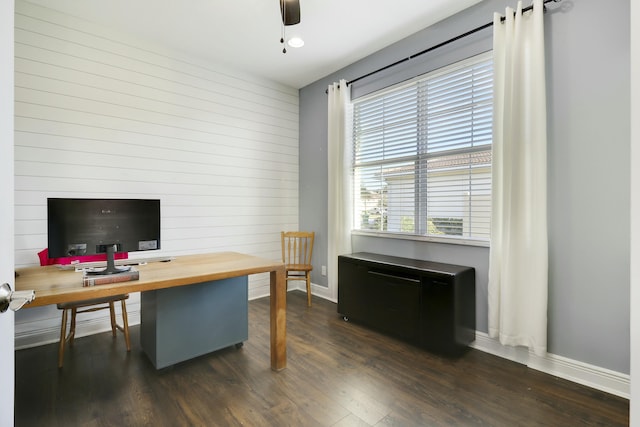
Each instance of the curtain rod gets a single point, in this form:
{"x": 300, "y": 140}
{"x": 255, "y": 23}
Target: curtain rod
{"x": 439, "y": 45}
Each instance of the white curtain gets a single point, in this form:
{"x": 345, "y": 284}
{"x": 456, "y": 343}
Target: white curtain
{"x": 518, "y": 261}
{"x": 339, "y": 178}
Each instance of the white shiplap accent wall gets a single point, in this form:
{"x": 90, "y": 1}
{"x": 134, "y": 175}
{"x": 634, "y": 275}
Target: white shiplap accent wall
{"x": 103, "y": 114}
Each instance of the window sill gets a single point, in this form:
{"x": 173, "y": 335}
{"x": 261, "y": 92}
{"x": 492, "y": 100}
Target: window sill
{"x": 465, "y": 241}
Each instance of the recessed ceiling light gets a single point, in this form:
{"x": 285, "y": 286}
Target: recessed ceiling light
{"x": 295, "y": 42}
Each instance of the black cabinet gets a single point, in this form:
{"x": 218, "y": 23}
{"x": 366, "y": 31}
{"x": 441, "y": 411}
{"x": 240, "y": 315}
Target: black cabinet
{"x": 426, "y": 303}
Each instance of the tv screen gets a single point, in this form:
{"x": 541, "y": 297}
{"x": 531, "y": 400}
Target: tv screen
{"x": 77, "y": 227}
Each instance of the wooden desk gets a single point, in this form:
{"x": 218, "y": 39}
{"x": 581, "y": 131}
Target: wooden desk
{"x": 52, "y": 285}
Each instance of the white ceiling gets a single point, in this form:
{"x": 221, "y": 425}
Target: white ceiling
{"x": 246, "y": 34}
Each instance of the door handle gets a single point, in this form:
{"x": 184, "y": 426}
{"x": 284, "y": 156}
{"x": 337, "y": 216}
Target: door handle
{"x": 14, "y": 299}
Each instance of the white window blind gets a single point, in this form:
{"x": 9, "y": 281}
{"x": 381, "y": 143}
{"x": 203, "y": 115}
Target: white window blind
{"x": 422, "y": 154}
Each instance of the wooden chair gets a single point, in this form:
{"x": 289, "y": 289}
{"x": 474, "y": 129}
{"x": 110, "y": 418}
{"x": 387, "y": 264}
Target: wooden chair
{"x": 87, "y": 306}
{"x": 297, "y": 247}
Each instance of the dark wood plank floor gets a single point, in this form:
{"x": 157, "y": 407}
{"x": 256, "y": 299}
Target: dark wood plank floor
{"x": 338, "y": 374}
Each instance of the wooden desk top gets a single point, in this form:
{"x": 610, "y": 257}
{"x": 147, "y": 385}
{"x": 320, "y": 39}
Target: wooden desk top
{"x": 53, "y": 285}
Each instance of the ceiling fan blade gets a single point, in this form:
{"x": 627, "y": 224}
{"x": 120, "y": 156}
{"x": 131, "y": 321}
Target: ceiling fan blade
{"x": 290, "y": 11}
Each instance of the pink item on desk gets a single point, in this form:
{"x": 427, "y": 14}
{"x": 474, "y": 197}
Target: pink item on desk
{"x": 45, "y": 260}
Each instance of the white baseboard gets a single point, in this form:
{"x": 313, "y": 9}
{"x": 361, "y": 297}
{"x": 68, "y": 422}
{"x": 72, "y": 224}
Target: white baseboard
{"x": 592, "y": 376}
{"x": 322, "y": 292}
{"x": 84, "y": 326}
{"x": 579, "y": 372}
{"x": 297, "y": 285}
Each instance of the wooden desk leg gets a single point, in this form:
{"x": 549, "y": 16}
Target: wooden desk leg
{"x": 278, "y": 320}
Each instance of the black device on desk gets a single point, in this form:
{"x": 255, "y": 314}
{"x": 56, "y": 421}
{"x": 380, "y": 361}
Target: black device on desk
{"x": 77, "y": 227}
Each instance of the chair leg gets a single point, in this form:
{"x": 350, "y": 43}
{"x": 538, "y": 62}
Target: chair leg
{"x": 308, "y": 290}
{"x": 63, "y": 336}
{"x": 125, "y": 323}
{"x": 112, "y": 314}
{"x": 72, "y": 329}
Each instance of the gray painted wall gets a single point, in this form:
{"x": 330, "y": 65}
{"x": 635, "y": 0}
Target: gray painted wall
{"x": 588, "y": 83}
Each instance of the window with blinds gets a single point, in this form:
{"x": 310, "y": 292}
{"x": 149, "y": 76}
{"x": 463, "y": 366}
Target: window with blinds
{"x": 422, "y": 154}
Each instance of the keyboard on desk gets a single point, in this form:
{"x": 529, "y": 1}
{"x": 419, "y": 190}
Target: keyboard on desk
{"x": 99, "y": 264}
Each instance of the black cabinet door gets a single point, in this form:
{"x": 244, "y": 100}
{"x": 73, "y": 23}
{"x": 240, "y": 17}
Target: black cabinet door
{"x": 394, "y": 305}
{"x": 352, "y": 290}
{"x": 438, "y": 325}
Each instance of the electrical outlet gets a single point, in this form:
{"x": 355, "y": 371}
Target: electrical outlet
{"x": 324, "y": 270}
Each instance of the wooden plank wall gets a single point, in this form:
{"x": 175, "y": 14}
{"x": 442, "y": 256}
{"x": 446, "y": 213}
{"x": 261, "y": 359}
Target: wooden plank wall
{"x": 99, "y": 113}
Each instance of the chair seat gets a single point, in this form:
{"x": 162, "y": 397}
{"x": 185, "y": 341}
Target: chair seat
{"x": 298, "y": 267}
{"x": 93, "y": 301}
{"x": 87, "y": 306}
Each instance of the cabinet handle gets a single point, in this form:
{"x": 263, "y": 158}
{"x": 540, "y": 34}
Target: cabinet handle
{"x": 392, "y": 276}
{"x": 439, "y": 283}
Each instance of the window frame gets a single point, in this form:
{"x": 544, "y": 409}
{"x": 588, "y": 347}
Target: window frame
{"x": 449, "y": 239}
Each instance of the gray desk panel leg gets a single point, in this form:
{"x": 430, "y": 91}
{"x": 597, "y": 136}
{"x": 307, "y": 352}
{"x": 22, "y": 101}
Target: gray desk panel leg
{"x": 184, "y": 322}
